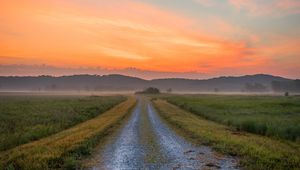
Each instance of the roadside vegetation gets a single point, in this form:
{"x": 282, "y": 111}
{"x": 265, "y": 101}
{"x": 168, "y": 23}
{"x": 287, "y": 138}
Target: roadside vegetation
{"x": 63, "y": 150}
{"x": 28, "y": 118}
{"x": 255, "y": 151}
{"x": 274, "y": 116}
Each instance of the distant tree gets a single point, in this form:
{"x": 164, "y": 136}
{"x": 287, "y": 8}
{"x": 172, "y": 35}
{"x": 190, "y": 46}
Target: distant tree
{"x": 216, "y": 90}
{"x": 169, "y": 90}
{"x": 256, "y": 87}
{"x": 276, "y": 86}
{"x": 283, "y": 86}
{"x": 286, "y": 94}
{"x": 150, "y": 90}
{"x": 53, "y": 87}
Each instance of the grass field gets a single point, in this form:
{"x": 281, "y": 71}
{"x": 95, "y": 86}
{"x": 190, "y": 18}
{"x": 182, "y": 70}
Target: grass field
{"x": 64, "y": 149}
{"x": 27, "y": 118}
{"x": 274, "y": 116}
{"x": 255, "y": 151}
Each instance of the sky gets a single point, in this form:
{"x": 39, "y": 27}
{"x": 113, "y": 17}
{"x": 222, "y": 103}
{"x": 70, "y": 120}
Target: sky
{"x": 150, "y": 38}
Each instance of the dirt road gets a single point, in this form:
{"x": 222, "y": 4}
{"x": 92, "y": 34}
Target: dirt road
{"x": 146, "y": 142}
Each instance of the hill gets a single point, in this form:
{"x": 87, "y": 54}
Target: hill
{"x": 117, "y": 82}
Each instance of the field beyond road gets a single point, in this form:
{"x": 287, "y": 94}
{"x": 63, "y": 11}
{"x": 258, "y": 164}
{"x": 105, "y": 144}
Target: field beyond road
{"x": 274, "y": 116}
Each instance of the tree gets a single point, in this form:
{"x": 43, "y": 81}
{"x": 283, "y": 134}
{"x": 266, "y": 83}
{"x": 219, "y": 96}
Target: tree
{"x": 256, "y": 87}
{"x": 149, "y": 90}
{"x": 283, "y": 86}
{"x": 169, "y": 90}
{"x": 53, "y": 87}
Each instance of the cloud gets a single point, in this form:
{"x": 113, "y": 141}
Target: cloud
{"x": 257, "y": 7}
{"x": 121, "y": 53}
{"x": 37, "y": 70}
{"x": 206, "y": 3}
{"x": 11, "y": 58}
{"x": 272, "y": 7}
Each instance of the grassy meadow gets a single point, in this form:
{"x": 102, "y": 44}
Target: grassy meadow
{"x": 26, "y": 118}
{"x": 65, "y": 149}
{"x": 274, "y": 116}
{"x": 254, "y": 151}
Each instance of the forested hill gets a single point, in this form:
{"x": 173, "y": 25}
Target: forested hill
{"x": 248, "y": 83}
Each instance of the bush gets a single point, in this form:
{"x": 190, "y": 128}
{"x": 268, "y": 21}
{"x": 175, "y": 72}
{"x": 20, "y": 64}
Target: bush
{"x": 70, "y": 163}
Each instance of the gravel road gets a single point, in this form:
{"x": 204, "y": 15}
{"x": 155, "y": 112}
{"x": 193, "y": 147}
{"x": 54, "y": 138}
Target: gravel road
{"x": 146, "y": 142}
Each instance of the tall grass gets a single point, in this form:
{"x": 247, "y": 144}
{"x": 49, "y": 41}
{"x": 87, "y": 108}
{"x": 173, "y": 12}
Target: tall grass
{"x": 254, "y": 151}
{"x": 64, "y": 149}
{"x": 275, "y": 116}
{"x": 28, "y": 118}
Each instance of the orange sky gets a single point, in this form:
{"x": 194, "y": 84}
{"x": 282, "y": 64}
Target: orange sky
{"x": 139, "y": 34}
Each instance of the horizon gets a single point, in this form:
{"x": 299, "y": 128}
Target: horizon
{"x": 159, "y": 78}
{"x": 194, "y": 39}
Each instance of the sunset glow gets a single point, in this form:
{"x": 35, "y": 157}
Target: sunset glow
{"x": 210, "y": 37}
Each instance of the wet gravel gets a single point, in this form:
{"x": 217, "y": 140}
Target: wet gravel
{"x": 145, "y": 142}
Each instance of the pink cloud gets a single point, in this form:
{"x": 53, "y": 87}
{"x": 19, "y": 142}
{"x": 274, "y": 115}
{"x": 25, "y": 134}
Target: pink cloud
{"x": 275, "y": 7}
{"x": 259, "y": 7}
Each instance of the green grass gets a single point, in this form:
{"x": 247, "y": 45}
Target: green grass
{"x": 273, "y": 116}
{"x": 65, "y": 149}
{"x": 254, "y": 151}
{"x": 28, "y": 118}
